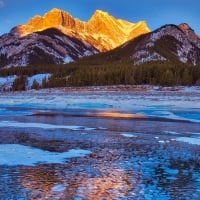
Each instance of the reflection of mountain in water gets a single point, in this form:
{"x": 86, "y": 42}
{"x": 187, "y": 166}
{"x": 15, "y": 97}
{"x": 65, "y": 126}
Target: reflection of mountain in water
{"x": 41, "y": 181}
{"x": 112, "y": 184}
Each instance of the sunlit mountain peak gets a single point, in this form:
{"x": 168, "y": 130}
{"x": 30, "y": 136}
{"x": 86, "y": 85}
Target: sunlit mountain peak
{"x": 102, "y": 31}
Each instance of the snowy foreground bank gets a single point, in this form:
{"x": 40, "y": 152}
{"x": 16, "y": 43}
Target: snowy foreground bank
{"x": 118, "y": 142}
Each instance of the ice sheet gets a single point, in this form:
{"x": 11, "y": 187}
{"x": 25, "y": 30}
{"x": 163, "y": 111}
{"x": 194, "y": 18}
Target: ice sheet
{"x": 190, "y": 140}
{"x": 15, "y": 154}
{"x": 183, "y": 104}
{"x": 41, "y": 125}
{"x": 129, "y": 135}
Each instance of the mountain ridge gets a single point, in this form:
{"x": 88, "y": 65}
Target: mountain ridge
{"x": 97, "y": 31}
{"x": 27, "y": 43}
{"x": 57, "y": 38}
{"x": 167, "y": 43}
{"x": 50, "y": 46}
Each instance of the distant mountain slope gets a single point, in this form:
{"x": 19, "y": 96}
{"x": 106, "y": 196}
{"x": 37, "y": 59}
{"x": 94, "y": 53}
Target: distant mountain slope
{"x": 102, "y": 31}
{"x": 168, "y": 43}
{"x": 50, "y": 46}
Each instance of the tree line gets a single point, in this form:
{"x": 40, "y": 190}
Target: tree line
{"x": 154, "y": 73}
{"x": 85, "y": 73}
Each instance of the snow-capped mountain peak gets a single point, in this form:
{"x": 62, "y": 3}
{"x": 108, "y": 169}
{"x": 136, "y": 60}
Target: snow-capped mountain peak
{"x": 101, "y": 31}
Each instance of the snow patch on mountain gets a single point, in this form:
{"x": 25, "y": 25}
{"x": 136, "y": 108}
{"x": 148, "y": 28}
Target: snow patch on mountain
{"x": 168, "y": 38}
{"x": 68, "y": 59}
{"x": 145, "y": 56}
{"x": 49, "y": 46}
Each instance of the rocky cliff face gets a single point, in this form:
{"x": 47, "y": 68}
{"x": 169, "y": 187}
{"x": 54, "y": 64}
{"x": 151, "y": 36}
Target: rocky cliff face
{"x": 102, "y": 31}
{"x": 190, "y": 33}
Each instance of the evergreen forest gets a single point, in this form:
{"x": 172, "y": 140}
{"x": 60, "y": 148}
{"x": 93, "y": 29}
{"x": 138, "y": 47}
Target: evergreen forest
{"x": 98, "y": 72}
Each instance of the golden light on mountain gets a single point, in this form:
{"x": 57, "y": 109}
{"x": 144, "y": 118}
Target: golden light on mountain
{"x": 102, "y": 31}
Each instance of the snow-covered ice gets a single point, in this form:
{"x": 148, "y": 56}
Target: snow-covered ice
{"x": 190, "y": 140}
{"x": 129, "y": 135}
{"x": 156, "y": 157}
{"x": 15, "y": 154}
{"x": 182, "y": 104}
{"x": 41, "y": 125}
{"x": 58, "y": 188}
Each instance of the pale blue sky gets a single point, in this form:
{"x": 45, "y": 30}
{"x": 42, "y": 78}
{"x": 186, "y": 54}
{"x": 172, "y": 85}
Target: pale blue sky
{"x": 155, "y": 12}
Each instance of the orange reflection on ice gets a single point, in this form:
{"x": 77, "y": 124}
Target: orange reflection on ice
{"x": 39, "y": 181}
{"x": 112, "y": 185}
{"x": 115, "y": 114}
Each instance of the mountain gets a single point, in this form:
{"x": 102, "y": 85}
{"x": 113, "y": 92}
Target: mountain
{"x": 162, "y": 57}
{"x": 167, "y": 43}
{"x": 58, "y": 38}
{"x": 102, "y": 31}
{"x": 50, "y": 46}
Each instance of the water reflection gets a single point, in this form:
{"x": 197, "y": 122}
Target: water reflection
{"x": 9, "y": 184}
{"x": 39, "y": 181}
{"x": 114, "y": 184}
{"x": 152, "y": 165}
{"x": 117, "y": 114}
{"x": 42, "y": 182}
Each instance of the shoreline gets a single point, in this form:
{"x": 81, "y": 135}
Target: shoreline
{"x": 111, "y": 88}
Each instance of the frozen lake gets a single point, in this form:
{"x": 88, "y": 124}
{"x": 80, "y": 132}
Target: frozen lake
{"x": 100, "y": 144}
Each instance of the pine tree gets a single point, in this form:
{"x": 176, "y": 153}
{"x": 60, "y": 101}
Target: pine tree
{"x": 35, "y": 85}
{"x": 19, "y": 83}
{"x": 187, "y": 77}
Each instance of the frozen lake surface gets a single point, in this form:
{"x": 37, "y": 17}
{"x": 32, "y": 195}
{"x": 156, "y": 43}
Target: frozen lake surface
{"x": 100, "y": 144}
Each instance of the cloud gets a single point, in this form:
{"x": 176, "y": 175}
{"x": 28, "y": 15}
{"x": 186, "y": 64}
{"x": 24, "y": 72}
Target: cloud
{"x": 1, "y": 3}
